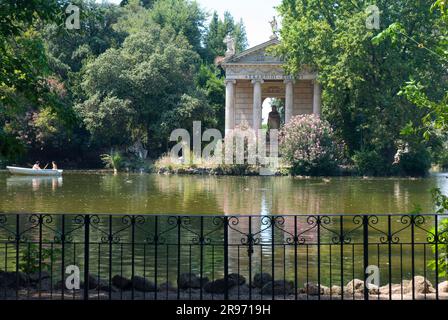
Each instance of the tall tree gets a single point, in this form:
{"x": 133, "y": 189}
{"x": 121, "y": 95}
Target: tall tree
{"x": 361, "y": 80}
{"x": 150, "y": 82}
{"x": 23, "y": 63}
{"x": 218, "y": 29}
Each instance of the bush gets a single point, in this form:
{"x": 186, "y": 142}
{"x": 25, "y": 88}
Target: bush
{"x": 440, "y": 156}
{"x": 441, "y": 204}
{"x": 415, "y": 162}
{"x": 114, "y": 160}
{"x": 307, "y": 143}
{"x": 370, "y": 163}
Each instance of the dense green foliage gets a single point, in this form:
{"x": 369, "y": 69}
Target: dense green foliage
{"x": 129, "y": 75}
{"x": 440, "y": 235}
{"x": 363, "y": 74}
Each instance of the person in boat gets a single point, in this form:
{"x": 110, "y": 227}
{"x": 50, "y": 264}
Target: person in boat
{"x": 55, "y": 166}
{"x": 36, "y": 166}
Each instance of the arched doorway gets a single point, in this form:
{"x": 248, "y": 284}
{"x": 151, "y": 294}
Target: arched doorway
{"x": 267, "y": 105}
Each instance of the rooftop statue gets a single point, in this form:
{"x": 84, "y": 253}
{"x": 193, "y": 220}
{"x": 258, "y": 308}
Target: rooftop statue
{"x": 230, "y": 43}
{"x": 274, "y": 27}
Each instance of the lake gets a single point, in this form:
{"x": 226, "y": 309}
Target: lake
{"x": 149, "y": 195}
{"x": 159, "y": 194}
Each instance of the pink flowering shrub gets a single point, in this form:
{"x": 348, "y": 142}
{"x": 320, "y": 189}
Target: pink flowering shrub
{"x": 307, "y": 143}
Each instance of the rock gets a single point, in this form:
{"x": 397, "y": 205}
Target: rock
{"x": 44, "y": 284}
{"x": 219, "y": 286}
{"x": 143, "y": 284}
{"x": 242, "y": 290}
{"x": 167, "y": 286}
{"x": 260, "y": 279}
{"x": 103, "y": 285}
{"x": 93, "y": 282}
{"x": 236, "y": 279}
{"x": 422, "y": 285}
{"x": 13, "y": 280}
{"x": 313, "y": 289}
{"x": 336, "y": 290}
{"x": 190, "y": 281}
{"x": 373, "y": 289}
{"x": 280, "y": 287}
{"x": 396, "y": 289}
{"x": 121, "y": 282}
{"x": 34, "y": 277}
{"x": 354, "y": 286}
{"x": 443, "y": 287}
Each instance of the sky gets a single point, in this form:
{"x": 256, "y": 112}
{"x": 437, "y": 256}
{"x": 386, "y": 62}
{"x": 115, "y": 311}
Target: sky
{"x": 256, "y": 15}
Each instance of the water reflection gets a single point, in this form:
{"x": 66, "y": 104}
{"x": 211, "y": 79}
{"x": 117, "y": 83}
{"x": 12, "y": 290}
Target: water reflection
{"x": 100, "y": 193}
{"x": 35, "y": 182}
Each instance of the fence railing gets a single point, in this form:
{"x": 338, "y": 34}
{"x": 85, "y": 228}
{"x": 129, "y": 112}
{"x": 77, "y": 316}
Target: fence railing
{"x": 42, "y": 256}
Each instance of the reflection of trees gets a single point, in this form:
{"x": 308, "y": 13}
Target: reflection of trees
{"x": 123, "y": 193}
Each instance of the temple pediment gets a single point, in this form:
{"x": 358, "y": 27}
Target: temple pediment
{"x": 257, "y": 55}
{"x": 258, "y": 63}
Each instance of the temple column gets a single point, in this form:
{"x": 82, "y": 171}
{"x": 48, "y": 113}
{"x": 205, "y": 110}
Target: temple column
{"x": 317, "y": 98}
{"x": 230, "y": 105}
{"x": 257, "y": 104}
{"x": 289, "y": 99}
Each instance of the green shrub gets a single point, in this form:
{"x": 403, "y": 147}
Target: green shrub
{"x": 440, "y": 156}
{"x": 370, "y": 163}
{"x": 29, "y": 261}
{"x": 415, "y": 162}
{"x": 114, "y": 160}
{"x": 441, "y": 203}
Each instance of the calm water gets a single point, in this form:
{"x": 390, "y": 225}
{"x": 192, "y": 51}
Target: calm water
{"x": 154, "y": 194}
{"x": 151, "y": 194}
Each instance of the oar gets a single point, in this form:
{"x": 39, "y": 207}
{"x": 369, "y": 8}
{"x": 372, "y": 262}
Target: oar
{"x": 46, "y": 166}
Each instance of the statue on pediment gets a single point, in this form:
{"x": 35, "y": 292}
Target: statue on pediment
{"x": 231, "y": 45}
{"x": 274, "y": 27}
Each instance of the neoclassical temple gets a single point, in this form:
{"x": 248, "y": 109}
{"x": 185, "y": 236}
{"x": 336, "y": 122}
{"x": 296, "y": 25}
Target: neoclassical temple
{"x": 254, "y": 75}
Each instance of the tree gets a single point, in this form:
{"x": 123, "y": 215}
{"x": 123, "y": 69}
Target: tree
{"x": 218, "y": 29}
{"x": 108, "y": 120}
{"x": 23, "y": 65}
{"x": 185, "y": 17}
{"x": 436, "y": 119}
{"x": 154, "y": 72}
{"x": 361, "y": 80}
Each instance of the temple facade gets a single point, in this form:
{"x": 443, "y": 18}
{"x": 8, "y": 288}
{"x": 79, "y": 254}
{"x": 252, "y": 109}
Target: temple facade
{"x": 254, "y": 75}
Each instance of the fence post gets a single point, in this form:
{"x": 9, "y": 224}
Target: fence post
{"x": 365, "y": 224}
{"x": 133, "y": 221}
{"x": 62, "y": 256}
{"x": 86, "y": 255}
{"x": 226, "y": 257}
{"x": 436, "y": 253}
{"x": 17, "y": 254}
{"x": 319, "y": 221}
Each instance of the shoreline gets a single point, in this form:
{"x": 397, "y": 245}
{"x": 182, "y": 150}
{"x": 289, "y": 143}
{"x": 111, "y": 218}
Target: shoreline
{"x": 185, "y": 172}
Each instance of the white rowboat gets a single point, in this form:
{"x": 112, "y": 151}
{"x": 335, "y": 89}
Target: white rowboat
{"x": 33, "y": 172}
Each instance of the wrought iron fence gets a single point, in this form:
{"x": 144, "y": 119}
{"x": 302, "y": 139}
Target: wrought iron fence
{"x": 223, "y": 257}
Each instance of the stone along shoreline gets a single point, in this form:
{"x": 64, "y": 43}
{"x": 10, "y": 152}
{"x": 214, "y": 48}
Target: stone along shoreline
{"x": 192, "y": 287}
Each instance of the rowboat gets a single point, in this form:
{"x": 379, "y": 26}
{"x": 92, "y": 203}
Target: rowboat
{"x": 34, "y": 172}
